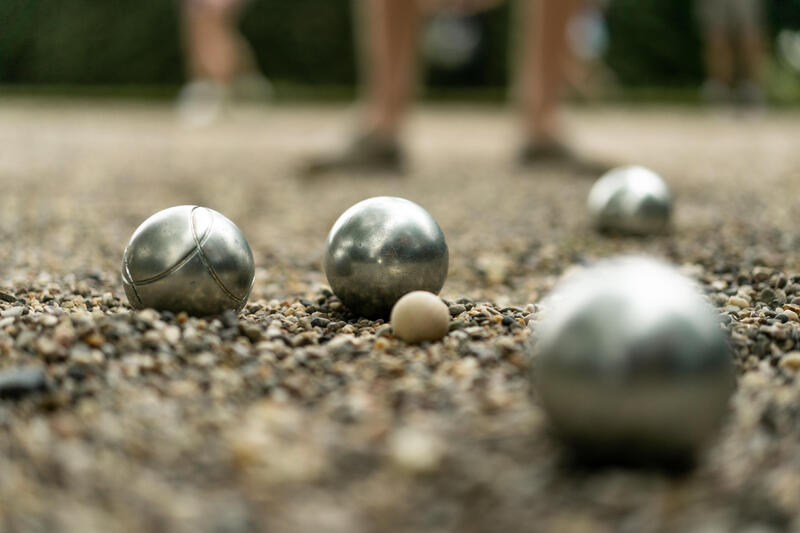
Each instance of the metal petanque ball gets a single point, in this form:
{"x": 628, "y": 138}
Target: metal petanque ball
{"x": 188, "y": 258}
{"x": 631, "y": 362}
{"x": 451, "y": 40}
{"x": 381, "y": 249}
{"x": 630, "y": 199}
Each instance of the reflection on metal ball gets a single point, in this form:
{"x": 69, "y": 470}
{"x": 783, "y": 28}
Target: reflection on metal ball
{"x": 451, "y": 40}
{"x": 188, "y": 258}
{"x": 381, "y": 249}
{"x": 631, "y": 362}
{"x": 631, "y": 200}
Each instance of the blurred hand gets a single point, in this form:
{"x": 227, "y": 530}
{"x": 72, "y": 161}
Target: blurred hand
{"x": 462, "y": 6}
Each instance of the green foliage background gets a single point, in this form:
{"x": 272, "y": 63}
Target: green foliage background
{"x": 137, "y": 42}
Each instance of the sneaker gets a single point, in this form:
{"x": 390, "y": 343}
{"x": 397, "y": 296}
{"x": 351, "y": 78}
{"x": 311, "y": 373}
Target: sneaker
{"x": 716, "y": 93}
{"x": 750, "y": 95}
{"x": 201, "y": 103}
{"x": 368, "y": 153}
{"x": 555, "y": 154}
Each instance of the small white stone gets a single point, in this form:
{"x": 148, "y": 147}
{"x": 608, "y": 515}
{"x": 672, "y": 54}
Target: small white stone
{"x": 420, "y": 316}
{"x": 738, "y": 301}
{"x": 172, "y": 334}
{"x": 415, "y": 450}
{"x": 13, "y": 312}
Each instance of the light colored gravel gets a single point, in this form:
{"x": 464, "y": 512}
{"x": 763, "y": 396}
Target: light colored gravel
{"x": 296, "y": 415}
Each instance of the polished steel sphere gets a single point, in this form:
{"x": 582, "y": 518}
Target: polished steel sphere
{"x": 631, "y": 361}
{"x": 188, "y": 258}
{"x": 631, "y": 200}
{"x": 450, "y": 40}
{"x": 381, "y": 249}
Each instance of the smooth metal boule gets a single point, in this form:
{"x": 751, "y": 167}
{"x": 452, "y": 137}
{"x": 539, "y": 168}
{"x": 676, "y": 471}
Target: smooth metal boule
{"x": 379, "y": 250}
{"x": 630, "y": 199}
{"x": 450, "y": 40}
{"x": 188, "y": 258}
{"x": 631, "y": 361}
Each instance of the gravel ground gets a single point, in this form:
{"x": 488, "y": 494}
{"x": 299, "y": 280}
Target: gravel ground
{"x": 297, "y": 416}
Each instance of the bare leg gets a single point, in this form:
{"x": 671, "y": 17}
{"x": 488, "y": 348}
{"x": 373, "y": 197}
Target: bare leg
{"x": 752, "y": 49}
{"x": 719, "y": 56}
{"x": 211, "y": 40}
{"x": 544, "y": 59}
{"x": 388, "y": 50}
{"x": 390, "y": 39}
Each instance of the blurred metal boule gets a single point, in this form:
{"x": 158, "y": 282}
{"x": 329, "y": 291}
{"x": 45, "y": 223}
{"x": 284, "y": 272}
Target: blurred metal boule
{"x": 188, "y": 258}
{"x": 382, "y": 248}
{"x": 450, "y": 40}
{"x": 631, "y": 363}
{"x": 632, "y": 200}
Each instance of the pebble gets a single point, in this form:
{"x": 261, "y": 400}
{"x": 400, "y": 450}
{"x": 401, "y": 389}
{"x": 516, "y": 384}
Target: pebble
{"x": 415, "y": 450}
{"x": 7, "y": 297}
{"x": 791, "y": 361}
{"x": 456, "y": 309}
{"x": 18, "y": 382}
{"x": 320, "y": 322}
{"x": 13, "y": 312}
{"x": 738, "y": 301}
{"x": 420, "y": 316}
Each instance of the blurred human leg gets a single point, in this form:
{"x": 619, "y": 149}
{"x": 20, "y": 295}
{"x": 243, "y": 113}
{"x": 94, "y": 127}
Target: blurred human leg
{"x": 390, "y": 34}
{"x": 750, "y": 37}
{"x": 219, "y": 61}
{"x": 544, "y": 61}
{"x": 715, "y": 21}
{"x": 388, "y": 53}
{"x": 543, "y": 69}
{"x": 211, "y": 40}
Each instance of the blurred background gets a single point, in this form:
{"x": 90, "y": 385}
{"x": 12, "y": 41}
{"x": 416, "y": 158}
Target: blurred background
{"x": 650, "y": 50}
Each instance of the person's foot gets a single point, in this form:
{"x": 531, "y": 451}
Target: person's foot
{"x": 751, "y": 96}
{"x": 201, "y": 102}
{"x": 716, "y": 93}
{"x": 369, "y": 153}
{"x": 551, "y": 153}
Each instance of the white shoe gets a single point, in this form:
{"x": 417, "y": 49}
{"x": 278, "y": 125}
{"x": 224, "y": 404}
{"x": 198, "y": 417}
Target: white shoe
{"x": 201, "y": 103}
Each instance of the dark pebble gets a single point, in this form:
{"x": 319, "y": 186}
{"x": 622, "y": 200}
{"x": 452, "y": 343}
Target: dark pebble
{"x": 767, "y": 295}
{"x": 457, "y": 324}
{"x": 782, "y": 317}
{"x": 7, "y": 297}
{"x": 456, "y": 309}
{"x": 318, "y": 321}
{"x": 77, "y": 372}
{"x": 230, "y": 318}
{"x": 18, "y": 382}
{"x": 507, "y": 320}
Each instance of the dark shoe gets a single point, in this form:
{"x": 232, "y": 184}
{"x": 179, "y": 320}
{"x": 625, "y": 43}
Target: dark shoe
{"x": 367, "y": 154}
{"x": 556, "y": 155}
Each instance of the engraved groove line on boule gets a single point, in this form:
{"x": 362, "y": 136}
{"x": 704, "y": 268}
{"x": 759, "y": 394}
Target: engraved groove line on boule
{"x": 204, "y": 259}
{"x": 126, "y": 277}
{"x": 185, "y": 259}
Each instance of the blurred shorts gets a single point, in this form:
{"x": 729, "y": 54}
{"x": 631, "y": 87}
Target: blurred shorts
{"x": 730, "y": 14}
